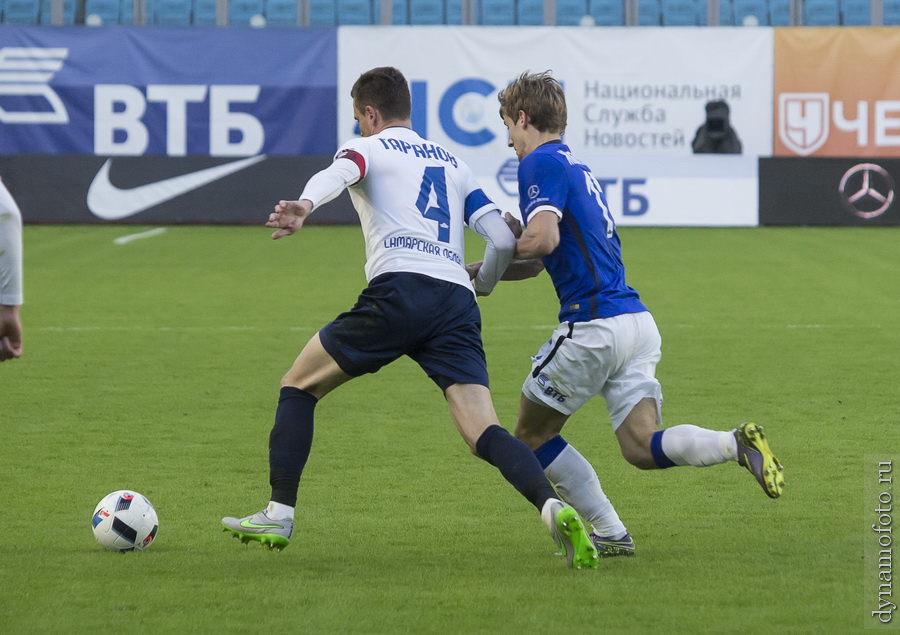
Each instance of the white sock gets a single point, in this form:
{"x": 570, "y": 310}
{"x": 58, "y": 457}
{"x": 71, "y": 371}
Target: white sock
{"x": 278, "y": 511}
{"x": 577, "y": 482}
{"x": 692, "y": 445}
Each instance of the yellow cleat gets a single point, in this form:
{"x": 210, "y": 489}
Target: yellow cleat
{"x": 754, "y": 454}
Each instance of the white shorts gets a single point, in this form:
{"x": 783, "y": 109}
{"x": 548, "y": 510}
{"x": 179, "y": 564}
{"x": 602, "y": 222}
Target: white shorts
{"x": 615, "y": 357}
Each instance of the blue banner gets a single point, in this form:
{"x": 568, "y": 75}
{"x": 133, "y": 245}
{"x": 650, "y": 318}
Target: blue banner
{"x": 133, "y": 91}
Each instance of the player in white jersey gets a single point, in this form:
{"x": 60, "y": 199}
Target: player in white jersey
{"x": 11, "y": 297}
{"x": 428, "y": 238}
{"x": 607, "y": 342}
{"x": 413, "y": 198}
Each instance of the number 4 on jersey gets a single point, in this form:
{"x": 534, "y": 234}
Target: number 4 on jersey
{"x": 434, "y": 179}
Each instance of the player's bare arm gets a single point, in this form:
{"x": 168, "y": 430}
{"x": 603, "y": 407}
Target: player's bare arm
{"x": 323, "y": 187}
{"x": 514, "y": 224}
{"x": 10, "y": 333}
{"x": 288, "y": 217}
{"x": 516, "y": 270}
{"x": 523, "y": 269}
{"x": 540, "y": 237}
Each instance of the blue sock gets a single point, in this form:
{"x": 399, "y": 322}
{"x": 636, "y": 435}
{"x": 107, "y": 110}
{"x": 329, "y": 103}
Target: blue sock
{"x": 289, "y": 443}
{"x": 659, "y": 457}
{"x": 548, "y": 452}
{"x": 517, "y": 463}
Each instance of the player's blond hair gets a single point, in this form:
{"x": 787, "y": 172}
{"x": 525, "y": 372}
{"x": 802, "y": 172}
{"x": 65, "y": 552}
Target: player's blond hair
{"x": 542, "y": 99}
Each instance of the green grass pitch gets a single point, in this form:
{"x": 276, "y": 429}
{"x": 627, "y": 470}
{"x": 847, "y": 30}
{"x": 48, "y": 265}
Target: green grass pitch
{"x": 154, "y": 365}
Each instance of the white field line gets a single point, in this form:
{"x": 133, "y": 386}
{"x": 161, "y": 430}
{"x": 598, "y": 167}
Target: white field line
{"x": 502, "y": 327}
{"x": 164, "y": 329}
{"x": 124, "y": 240}
{"x": 765, "y": 326}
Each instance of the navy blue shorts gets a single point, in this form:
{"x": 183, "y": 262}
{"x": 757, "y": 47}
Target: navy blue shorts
{"x": 436, "y": 323}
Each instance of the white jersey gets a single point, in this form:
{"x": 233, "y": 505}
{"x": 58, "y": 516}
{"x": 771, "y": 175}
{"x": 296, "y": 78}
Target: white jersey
{"x": 10, "y": 250}
{"x": 413, "y": 198}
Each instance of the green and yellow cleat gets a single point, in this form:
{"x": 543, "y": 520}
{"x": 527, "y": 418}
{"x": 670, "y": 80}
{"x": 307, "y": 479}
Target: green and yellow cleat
{"x": 274, "y": 534}
{"x": 567, "y": 529}
{"x": 754, "y": 453}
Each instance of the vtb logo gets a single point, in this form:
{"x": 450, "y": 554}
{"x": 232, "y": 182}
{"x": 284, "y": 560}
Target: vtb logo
{"x": 803, "y": 121}
{"x": 25, "y": 73}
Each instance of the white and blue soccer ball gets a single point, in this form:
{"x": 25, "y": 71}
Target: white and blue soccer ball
{"x": 125, "y": 521}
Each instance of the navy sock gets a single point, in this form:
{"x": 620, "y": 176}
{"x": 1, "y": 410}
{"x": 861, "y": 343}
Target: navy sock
{"x": 516, "y": 463}
{"x": 290, "y": 442}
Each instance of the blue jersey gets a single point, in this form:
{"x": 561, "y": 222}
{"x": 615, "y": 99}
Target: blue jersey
{"x": 586, "y": 267}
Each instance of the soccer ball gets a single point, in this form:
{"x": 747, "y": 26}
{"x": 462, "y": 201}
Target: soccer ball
{"x": 124, "y": 521}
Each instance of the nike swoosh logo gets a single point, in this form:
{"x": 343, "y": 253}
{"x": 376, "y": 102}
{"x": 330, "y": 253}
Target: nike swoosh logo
{"x": 109, "y": 202}
{"x": 249, "y": 525}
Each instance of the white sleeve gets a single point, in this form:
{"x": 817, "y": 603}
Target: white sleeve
{"x": 326, "y": 185}
{"x": 501, "y": 244}
{"x": 546, "y": 208}
{"x": 10, "y": 250}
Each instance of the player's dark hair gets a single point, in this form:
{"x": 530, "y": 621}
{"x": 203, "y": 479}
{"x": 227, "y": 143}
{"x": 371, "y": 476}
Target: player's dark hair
{"x": 386, "y": 90}
{"x": 540, "y": 96}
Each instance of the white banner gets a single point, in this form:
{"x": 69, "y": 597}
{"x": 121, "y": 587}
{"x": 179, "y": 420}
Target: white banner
{"x": 633, "y": 95}
{"x": 700, "y": 190}
{"x": 638, "y": 91}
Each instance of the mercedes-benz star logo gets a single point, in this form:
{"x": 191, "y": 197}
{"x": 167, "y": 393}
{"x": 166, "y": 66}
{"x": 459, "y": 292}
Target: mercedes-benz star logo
{"x": 867, "y": 190}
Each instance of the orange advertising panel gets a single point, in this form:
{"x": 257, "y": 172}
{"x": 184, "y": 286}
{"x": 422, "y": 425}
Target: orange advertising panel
{"x": 837, "y": 92}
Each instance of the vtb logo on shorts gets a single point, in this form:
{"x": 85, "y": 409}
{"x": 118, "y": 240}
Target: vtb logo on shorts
{"x": 803, "y": 121}
{"x": 25, "y": 72}
{"x": 548, "y": 389}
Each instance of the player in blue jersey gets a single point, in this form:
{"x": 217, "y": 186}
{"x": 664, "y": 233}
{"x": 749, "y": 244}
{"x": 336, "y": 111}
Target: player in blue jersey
{"x": 413, "y": 198}
{"x": 607, "y": 342}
